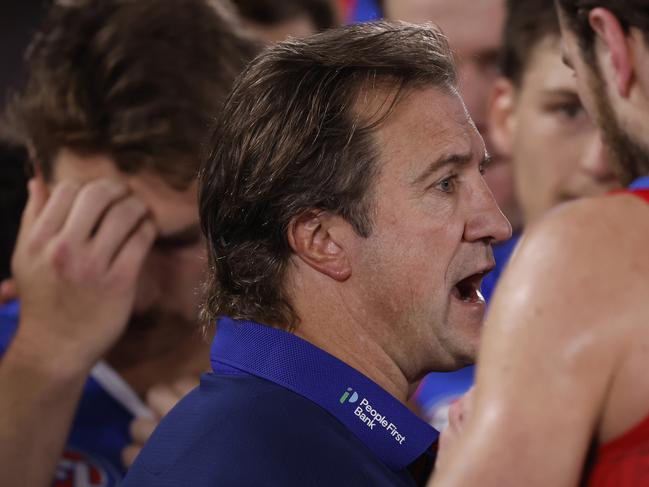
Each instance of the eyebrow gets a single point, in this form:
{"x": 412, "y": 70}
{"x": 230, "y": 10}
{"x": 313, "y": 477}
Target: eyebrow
{"x": 447, "y": 160}
{"x": 187, "y": 235}
{"x": 561, "y": 92}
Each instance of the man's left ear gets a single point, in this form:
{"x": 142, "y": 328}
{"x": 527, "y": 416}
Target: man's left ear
{"x": 610, "y": 32}
{"x": 316, "y": 238}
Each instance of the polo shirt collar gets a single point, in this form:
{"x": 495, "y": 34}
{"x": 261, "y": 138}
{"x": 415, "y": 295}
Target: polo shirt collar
{"x": 386, "y": 426}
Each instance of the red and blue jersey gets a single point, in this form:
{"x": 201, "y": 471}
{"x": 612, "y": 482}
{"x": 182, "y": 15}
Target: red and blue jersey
{"x": 99, "y": 431}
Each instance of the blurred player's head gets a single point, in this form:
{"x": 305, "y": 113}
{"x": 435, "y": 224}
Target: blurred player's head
{"x": 127, "y": 89}
{"x": 474, "y": 31}
{"x": 537, "y": 118}
{"x": 275, "y": 21}
{"x": 346, "y": 185}
{"x": 606, "y": 42}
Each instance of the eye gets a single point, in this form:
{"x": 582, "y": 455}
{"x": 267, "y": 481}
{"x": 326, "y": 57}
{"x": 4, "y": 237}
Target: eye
{"x": 447, "y": 185}
{"x": 569, "y": 110}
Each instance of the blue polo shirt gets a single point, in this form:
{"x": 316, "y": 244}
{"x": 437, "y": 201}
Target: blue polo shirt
{"x": 278, "y": 411}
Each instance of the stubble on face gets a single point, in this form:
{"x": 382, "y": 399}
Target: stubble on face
{"x": 629, "y": 157}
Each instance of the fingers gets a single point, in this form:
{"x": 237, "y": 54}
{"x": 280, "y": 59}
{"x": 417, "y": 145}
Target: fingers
{"x": 36, "y": 201}
{"x": 129, "y": 454}
{"x": 185, "y": 385}
{"x": 93, "y": 200}
{"x": 8, "y": 291}
{"x": 162, "y": 398}
{"x": 116, "y": 226}
{"x": 456, "y": 415}
{"x": 131, "y": 256}
{"x": 53, "y": 215}
{"x": 141, "y": 429}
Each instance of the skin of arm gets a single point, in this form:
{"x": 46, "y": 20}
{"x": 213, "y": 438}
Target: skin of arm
{"x": 76, "y": 266}
{"x": 549, "y": 351}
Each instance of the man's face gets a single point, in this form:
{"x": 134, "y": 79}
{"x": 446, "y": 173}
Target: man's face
{"x": 474, "y": 30}
{"x": 556, "y": 150}
{"x": 167, "y": 295}
{"x": 627, "y": 152}
{"x": 434, "y": 220}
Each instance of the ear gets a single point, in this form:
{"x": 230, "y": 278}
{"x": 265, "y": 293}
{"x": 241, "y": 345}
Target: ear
{"x": 610, "y": 32}
{"x": 501, "y": 116}
{"x": 314, "y": 236}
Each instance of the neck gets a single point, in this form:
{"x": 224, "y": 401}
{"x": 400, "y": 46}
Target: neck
{"x": 352, "y": 341}
{"x": 159, "y": 355}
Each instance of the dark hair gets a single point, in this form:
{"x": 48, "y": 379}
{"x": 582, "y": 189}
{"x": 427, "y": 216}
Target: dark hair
{"x": 630, "y": 13}
{"x": 271, "y": 12}
{"x": 138, "y": 80}
{"x": 527, "y": 24}
{"x": 290, "y": 140}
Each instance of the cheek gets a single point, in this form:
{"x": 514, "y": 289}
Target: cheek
{"x": 183, "y": 273}
{"x": 499, "y": 178}
{"x": 191, "y": 266}
{"x": 586, "y": 94}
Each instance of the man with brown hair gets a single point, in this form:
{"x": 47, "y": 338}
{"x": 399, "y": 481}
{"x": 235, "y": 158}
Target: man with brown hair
{"x": 349, "y": 226}
{"x": 562, "y": 389}
{"x": 118, "y": 100}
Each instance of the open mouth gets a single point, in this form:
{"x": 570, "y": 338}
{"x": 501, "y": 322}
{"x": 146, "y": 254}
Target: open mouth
{"x": 468, "y": 289}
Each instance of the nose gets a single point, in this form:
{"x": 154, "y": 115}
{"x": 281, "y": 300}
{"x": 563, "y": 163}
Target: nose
{"x": 596, "y": 161}
{"x": 485, "y": 221}
{"x": 148, "y": 286}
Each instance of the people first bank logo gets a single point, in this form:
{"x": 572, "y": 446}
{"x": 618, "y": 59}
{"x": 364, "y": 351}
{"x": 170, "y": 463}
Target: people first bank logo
{"x": 370, "y": 416}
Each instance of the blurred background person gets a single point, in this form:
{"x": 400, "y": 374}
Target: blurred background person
{"x": 537, "y": 119}
{"x": 120, "y": 95}
{"x": 275, "y": 21}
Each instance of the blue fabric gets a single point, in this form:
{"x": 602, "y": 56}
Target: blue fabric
{"x": 366, "y": 10}
{"x": 439, "y": 389}
{"x": 502, "y": 253}
{"x": 8, "y": 324}
{"x": 99, "y": 431}
{"x": 277, "y": 411}
{"x": 640, "y": 183}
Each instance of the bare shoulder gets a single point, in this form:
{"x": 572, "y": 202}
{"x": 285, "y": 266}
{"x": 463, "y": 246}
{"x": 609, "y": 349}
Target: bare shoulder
{"x": 583, "y": 261}
{"x": 583, "y": 229}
